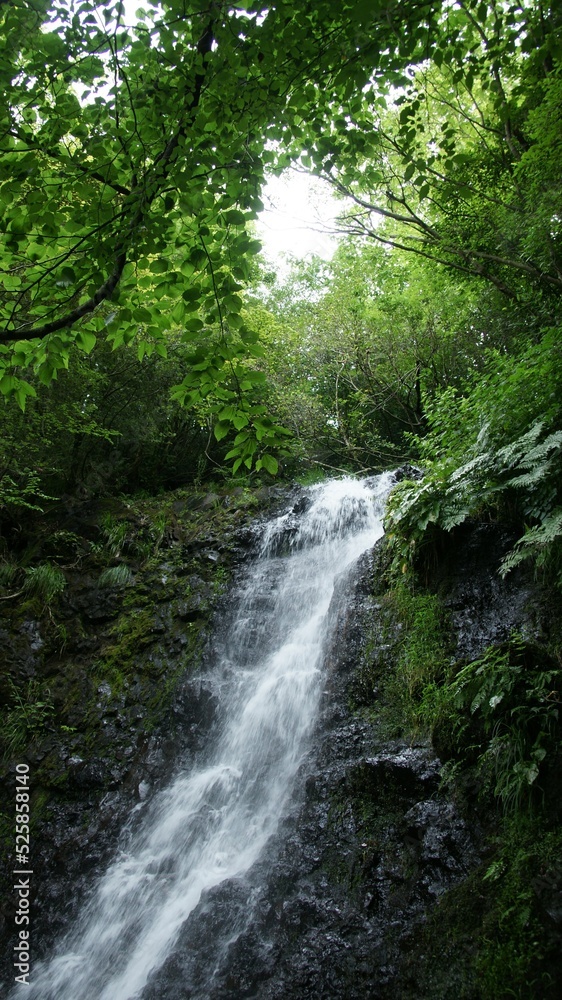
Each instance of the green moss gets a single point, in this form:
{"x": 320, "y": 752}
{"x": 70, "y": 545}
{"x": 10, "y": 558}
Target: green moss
{"x": 424, "y": 647}
{"x": 133, "y": 632}
{"x": 190, "y": 660}
{"x": 406, "y": 660}
{"x": 491, "y": 937}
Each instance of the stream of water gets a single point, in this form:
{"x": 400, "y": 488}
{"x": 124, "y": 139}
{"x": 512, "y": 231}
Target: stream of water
{"x": 212, "y": 823}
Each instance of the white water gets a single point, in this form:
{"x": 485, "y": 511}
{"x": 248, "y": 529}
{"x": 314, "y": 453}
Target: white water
{"x": 211, "y": 824}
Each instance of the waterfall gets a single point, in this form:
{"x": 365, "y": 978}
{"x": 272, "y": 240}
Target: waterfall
{"x": 213, "y": 821}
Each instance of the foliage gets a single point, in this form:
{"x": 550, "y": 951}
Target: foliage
{"x": 21, "y": 493}
{"x": 519, "y": 954}
{"x": 356, "y": 348}
{"x": 516, "y": 696}
{"x": 495, "y": 725}
{"x": 422, "y": 659}
{"x": 8, "y": 572}
{"x": 116, "y": 576}
{"x": 115, "y": 534}
{"x": 30, "y": 713}
{"x": 132, "y": 156}
{"x": 497, "y": 446}
{"x": 407, "y": 663}
{"x": 495, "y": 926}
{"x": 108, "y": 424}
{"x": 495, "y": 721}
{"x": 461, "y": 166}
{"x": 44, "y": 582}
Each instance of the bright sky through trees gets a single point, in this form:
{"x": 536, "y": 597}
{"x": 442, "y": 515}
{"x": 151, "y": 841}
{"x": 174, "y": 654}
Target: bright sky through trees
{"x": 298, "y": 211}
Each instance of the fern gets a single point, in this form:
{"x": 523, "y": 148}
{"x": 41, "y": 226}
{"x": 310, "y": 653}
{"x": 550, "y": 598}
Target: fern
{"x": 511, "y": 454}
{"x": 497, "y": 448}
{"x": 483, "y": 462}
{"x": 517, "y": 702}
{"x": 535, "y": 542}
{"x": 542, "y": 449}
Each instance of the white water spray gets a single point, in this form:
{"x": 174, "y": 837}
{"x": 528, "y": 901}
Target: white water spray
{"x": 212, "y": 824}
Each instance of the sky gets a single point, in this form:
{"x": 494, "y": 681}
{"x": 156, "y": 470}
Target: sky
{"x": 297, "y": 210}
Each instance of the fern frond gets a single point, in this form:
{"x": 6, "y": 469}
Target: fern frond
{"x": 541, "y": 450}
{"x": 534, "y": 541}
{"x": 511, "y": 454}
{"x": 479, "y": 462}
{"x": 532, "y": 477}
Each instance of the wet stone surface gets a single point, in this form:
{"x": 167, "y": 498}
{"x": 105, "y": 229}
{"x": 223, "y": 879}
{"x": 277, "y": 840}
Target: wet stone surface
{"x": 367, "y": 848}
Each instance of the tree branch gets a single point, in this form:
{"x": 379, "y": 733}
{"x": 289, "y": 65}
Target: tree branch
{"x": 103, "y": 292}
{"x": 140, "y": 206}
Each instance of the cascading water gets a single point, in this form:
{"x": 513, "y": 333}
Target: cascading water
{"x": 212, "y": 823}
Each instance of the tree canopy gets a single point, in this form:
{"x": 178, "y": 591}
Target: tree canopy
{"x": 132, "y": 154}
{"x": 462, "y": 165}
{"x": 133, "y": 151}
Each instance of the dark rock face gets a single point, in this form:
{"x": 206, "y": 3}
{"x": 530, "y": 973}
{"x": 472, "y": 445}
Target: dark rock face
{"x": 124, "y": 680}
{"x": 484, "y": 607}
{"x": 369, "y": 845}
{"x": 367, "y": 848}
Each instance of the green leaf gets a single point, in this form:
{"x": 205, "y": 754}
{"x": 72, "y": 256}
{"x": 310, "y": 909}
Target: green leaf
{"x": 159, "y": 266}
{"x": 235, "y": 218}
{"x": 198, "y": 258}
{"x": 22, "y": 392}
{"x": 86, "y": 341}
{"x": 221, "y": 429}
{"x": 7, "y": 384}
{"x": 270, "y": 464}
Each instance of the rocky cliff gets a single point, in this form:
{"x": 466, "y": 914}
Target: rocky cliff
{"x": 381, "y": 880}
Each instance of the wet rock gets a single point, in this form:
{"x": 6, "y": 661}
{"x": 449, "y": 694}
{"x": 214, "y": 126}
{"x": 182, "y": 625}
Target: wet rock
{"x": 32, "y": 631}
{"x": 407, "y": 472}
{"x": 195, "y": 707}
{"x": 143, "y": 790}
{"x": 92, "y": 604}
{"x": 369, "y": 842}
{"x": 302, "y": 505}
{"x": 210, "y": 500}
{"x": 485, "y": 609}
{"x": 410, "y": 770}
{"x": 85, "y": 775}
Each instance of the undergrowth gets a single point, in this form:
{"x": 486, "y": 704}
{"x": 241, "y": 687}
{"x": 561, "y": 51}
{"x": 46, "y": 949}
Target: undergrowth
{"x": 495, "y": 723}
{"x": 493, "y": 450}
{"x": 31, "y": 711}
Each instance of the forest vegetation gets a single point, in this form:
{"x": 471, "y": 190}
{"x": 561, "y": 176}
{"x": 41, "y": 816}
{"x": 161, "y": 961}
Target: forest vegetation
{"x": 143, "y": 344}
{"x": 146, "y": 345}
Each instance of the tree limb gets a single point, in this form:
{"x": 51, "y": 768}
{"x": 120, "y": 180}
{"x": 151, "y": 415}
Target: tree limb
{"x": 158, "y": 167}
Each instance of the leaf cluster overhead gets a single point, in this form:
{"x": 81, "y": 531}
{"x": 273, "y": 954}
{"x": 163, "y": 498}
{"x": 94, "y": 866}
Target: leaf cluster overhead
{"x": 132, "y": 155}
{"x": 461, "y": 164}
{"x": 133, "y": 152}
